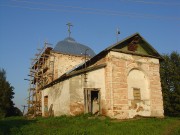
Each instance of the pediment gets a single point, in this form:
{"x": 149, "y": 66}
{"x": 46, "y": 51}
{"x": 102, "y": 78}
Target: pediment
{"x": 135, "y": 44}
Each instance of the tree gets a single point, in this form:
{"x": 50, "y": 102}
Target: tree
{"x": 170, "y": 81}
{"x": 17, "y": 112}
{"x": 6, "y": 95}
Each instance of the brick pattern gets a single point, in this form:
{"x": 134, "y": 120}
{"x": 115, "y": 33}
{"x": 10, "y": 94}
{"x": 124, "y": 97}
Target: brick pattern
{"x": 106, "y": 107}
{"x": 156, "y": 94}
{"x": 116, "y": 104}
{"x": 119, "y": 88}
{"x": 116, "y": 72}
{"x": 64, "y": 63}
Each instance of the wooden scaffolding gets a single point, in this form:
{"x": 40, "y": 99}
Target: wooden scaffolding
{"x": 41, "y": 73}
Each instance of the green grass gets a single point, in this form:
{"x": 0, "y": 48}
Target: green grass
{"x": 82, "y": 125}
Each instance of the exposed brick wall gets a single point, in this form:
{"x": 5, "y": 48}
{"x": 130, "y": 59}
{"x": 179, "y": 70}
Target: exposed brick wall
{"x": 116, "y": 72}
{"x": 64, "y": 63}
{"x": 116, "y": 102}
{"x": 119, "y": 88}
{"x": 156, "y": 94}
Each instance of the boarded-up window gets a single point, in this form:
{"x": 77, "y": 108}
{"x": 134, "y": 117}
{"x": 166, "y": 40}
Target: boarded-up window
{"x": 45, "y": 105}
{"x": 136, "y": 94}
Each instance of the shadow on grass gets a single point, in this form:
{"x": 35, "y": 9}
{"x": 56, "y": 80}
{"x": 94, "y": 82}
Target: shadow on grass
{"x": 12, "y": 125}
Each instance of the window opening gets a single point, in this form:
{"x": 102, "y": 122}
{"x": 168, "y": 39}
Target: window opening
{"x": 136, "y": 94}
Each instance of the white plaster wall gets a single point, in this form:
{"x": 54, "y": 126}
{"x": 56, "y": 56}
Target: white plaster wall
{"x": 76, "y": 85}
{"x": 134, "y": 58}
{"x": 63, "y": 94}
{"x": 58, "y": 95}
{"x": 96, "y": 79}
{"x": 137, "y": 79}
{"x": 76, "y": 95}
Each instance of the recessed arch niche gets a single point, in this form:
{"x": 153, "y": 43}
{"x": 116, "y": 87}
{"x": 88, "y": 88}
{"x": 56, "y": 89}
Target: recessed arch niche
{"x": 138, "y": 93}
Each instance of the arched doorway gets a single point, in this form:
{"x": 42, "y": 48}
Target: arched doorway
{"x": 138, "y": 93}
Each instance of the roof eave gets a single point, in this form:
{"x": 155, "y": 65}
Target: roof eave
{"x": 134, "y": 53}
{"x": 73, "y": 73}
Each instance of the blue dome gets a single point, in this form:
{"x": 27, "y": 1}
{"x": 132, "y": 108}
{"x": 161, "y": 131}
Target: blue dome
{"x": 71, "y": 47}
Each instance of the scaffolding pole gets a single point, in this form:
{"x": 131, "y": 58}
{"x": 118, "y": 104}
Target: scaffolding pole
{"x": 39, "y": 76}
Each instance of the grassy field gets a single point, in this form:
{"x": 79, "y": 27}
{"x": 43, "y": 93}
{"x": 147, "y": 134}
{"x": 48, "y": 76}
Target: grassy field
{"x": 85, "y": 125}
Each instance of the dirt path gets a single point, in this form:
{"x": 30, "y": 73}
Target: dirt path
{"x": 169, "y": 129}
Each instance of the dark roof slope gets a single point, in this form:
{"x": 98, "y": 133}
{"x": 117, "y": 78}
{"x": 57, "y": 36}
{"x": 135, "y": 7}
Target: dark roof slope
{"x": 151, "y": 52}
{"x": 70, "y": 46}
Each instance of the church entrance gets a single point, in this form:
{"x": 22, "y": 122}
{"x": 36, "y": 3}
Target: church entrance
{"x": 92, "y": 101}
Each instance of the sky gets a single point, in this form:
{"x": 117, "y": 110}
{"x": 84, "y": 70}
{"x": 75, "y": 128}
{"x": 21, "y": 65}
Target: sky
{"x": 26, "y": 24}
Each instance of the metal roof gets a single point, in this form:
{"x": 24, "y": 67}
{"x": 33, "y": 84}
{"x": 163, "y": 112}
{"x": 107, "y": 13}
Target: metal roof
{"x": 79, "y": 69}
{"x": 70, "y": 46}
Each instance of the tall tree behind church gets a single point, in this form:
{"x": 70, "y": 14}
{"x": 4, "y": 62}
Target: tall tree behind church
{"x": 6, "y": 96}
{"x": 170, "y": 81}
